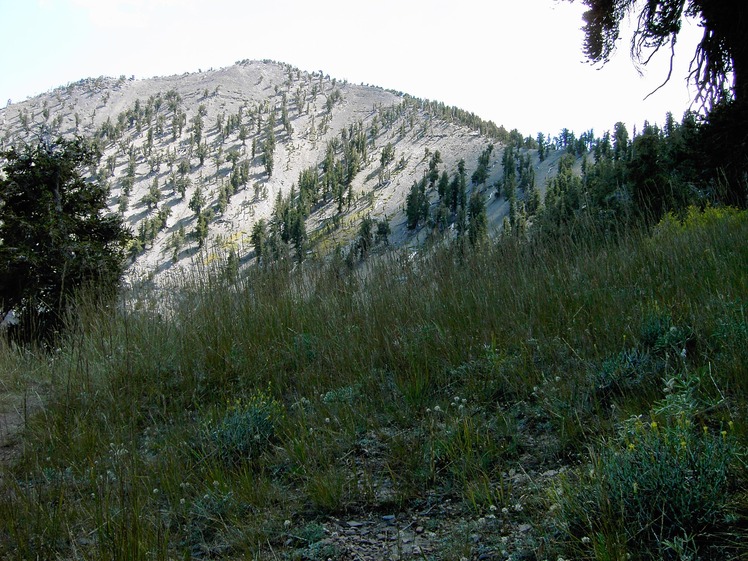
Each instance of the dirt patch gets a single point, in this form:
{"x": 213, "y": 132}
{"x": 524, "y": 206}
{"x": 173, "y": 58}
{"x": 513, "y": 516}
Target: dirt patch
{"x": 15, "y": 411}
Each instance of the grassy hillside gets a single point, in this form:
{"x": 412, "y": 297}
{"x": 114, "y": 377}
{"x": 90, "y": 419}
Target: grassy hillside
{"x": 579, "y": 398}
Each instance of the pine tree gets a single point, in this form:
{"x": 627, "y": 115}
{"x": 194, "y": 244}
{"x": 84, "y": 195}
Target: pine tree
{"x": 197, "y": 202}
{"x": 55, "y": 236}
{"x": 478, "y": 220}
{"x": 541, "y": 146}
{"x": 480, "y": 175}
{"x": 365, "y": 236}
{"x": 201, "y": 229}
{"x": 268, "y": 147}
{"x": 232, "y": 265}
{"x": 154, "y": 194}
{"x": 259, "y": 239}
{"x": 416, "y": 204}
{"x": 383, "y": 232}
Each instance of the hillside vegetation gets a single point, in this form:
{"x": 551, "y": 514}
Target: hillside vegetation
{"x": 194, "y": 162}
{"x": 580, "y": 397}
{"x": 378, "y": 328}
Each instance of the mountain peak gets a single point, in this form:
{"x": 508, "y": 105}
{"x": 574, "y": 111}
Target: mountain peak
{"x": 194, "y": 161}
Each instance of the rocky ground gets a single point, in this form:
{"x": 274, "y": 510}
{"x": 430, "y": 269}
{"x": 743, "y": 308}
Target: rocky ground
{"x": 439, "y": 529}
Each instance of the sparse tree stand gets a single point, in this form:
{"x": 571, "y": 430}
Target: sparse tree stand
{"x": 54, "y": 236}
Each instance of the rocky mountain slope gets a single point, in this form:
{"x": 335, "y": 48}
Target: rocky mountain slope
{"x": 195, "y": 161}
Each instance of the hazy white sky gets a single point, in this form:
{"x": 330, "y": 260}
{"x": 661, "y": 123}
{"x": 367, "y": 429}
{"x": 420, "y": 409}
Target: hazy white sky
{"x": 516, "y": 62}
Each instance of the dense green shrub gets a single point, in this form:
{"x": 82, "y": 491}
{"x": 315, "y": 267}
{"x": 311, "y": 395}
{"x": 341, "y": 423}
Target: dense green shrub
{"x": 663, "y": 488}
{"x": 243, "y": 430}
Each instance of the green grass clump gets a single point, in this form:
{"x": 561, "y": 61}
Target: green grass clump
{"x": 239, "y": 432}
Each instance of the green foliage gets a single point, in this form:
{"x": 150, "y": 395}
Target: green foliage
{"x": 717, "y": 69}
{"x": 309, "y": 189}
{"x": 540, "y": 141}
{"x": 232, "y": 265}
{"x": 565, "y": 197}
{"x": 717, "y": 153}
{"x": 659, "y": 171}
{"x": 366, "y": 236}
{"x": 335, "y": 97}
{"x": 55, "y": 236}
{"x": 478, "y": 221}
{"x": 481, "y": 172}
{"x": 259, "y": 238}
{"x": 202, "y": 152}
{"x": 268, "y": 146}
{"x": 466, "y": 446}
{"x": 197, "y": 201}
{"x": 123, "y": 203}
{"x": 288, "y": 224}
{"x": 149, "y": 228}
{"x": 240, "y": 432}
{"x": 152, "y": 198}
{"x": 550, "y": 344}
{"x": 417, "y": 204}
{"x": 661, "y": 482}
{"x": 453, "y": 193}
{"x": 383, "y": 232}
{"x": 202, "y": 226}
{"x": 629, "y": 372}
{"x": 388, "y": 155}
{"x": 451, "y": 114}
{"x": 176, "y": 242}
{"x": 433, "y": 174}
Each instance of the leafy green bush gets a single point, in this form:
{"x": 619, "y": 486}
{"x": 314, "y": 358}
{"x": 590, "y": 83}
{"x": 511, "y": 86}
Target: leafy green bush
{"x": 243, "y": 431}
{"x": 659, "y": 334}
{"x": 625, "y": 372}
{"x": 662, "y": 488}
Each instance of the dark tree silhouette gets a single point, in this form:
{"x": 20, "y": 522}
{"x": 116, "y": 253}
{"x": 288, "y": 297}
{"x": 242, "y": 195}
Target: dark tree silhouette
{"x": 55, "y": 236}
{"x": 721, "y": 56}
{"x": 722, "y": 51}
